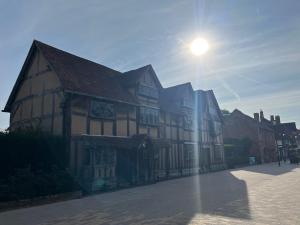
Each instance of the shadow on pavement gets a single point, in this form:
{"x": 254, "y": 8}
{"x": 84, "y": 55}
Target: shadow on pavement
{"x": 176, "y": 201}
{"x": 224, "y": 195}
{"x": 272, "y": 168}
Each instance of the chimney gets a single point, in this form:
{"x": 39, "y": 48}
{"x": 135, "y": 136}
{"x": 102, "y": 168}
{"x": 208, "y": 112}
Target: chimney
{"x": 272, "y": 119}
{"x": 256, "y": 116}
{"x": 261, "y": 115}
{"x": 277, "y": 119}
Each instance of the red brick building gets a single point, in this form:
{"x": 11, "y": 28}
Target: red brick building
{"x": 239, "y": 125}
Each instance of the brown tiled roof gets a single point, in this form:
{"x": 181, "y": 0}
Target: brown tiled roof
{"x": 263, "y": 125}
{"x": 178, "y": 89}
{"x": 238, "y": 112}
{"x": 79, "y": 75}
{"x": 202, "y": 101}
{"x": 170, "y": 97}
{"x": 131, "y": 77}
{"x": 287, "y": 128}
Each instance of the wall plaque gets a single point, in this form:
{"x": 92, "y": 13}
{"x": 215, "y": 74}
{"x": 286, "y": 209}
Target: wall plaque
{"x": 102, "y": 110}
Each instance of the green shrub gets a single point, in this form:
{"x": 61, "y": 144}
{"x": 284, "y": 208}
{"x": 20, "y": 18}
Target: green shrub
{"x": 237, "y": 151}
{"x": 33, "y": 164}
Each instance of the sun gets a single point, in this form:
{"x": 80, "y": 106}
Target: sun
{"x": 199, "y": 46}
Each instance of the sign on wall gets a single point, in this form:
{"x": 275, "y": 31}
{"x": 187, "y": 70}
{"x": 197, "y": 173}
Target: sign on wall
{"x": 102, "y": 110}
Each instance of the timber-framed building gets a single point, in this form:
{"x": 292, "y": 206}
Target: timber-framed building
{"x": 121, "y": 128}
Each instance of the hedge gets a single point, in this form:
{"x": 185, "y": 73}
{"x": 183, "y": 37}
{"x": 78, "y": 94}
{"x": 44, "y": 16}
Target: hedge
{"x": 237, "y": 151}
{"x": 33, "y": 164}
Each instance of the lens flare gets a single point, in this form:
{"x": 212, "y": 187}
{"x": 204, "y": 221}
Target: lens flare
{"x": 199, "y": 46}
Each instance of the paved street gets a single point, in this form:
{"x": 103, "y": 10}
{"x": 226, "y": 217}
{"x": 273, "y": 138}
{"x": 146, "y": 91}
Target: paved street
{"x": 264, "y": 194}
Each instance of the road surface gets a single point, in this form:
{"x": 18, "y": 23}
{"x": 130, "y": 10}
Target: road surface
{"x": 263, "y": 194}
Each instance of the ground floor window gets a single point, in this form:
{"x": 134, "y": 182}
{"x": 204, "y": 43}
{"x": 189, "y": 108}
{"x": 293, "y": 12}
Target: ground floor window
{"x": 218, "y": 156}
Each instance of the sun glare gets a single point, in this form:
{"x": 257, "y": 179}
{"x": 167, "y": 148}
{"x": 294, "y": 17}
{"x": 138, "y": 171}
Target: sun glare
{"x": 199, "y": 46}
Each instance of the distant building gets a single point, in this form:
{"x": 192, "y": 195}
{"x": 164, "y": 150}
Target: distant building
{"x": 121, "y": 128}
{"x": 298, "y": 139}
{"x": 239, "y": 125}
{"x": 286, "y": 135}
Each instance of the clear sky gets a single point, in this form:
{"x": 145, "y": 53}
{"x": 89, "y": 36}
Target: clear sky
{"x": 253, "y": 63}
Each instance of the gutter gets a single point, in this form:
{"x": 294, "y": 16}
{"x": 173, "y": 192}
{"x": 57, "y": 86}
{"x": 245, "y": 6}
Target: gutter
{"x": 99, "y": 97}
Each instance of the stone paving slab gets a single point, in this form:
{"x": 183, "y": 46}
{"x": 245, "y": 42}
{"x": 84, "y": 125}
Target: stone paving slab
{"x": 264, "y": 194}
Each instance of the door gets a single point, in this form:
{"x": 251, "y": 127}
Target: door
{"x": 126, "y": 167}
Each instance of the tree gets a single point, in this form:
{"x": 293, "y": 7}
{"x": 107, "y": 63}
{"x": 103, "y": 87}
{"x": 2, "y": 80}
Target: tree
{"x": 225, "y": 112}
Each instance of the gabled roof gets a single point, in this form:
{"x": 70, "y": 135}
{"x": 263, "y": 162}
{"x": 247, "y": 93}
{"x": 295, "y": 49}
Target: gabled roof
{"x": 202, "y": 101}
{"x": 264, "y": 124}
{"x": 238, "y": 112}
{"x": 177, "y": 89}
{"x": 169, "y": 97}
{"x": 78, "y": 75}
{"x": 286, "y": 127}
{"x": 131, "y": 77}
{"x": 19, "y": 78}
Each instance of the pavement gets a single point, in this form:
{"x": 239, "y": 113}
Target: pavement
{"x": 263, "y": 194}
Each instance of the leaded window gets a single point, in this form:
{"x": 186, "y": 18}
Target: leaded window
{"x": 217, "y": 153}
{"x": 109, "y": 157}
{"x": 86, "y": 157}
{"x": 149, "y": 116}
{"x": 104, "y": 156}
{"x": 147, "y": 91}
{"x": 98, "y": 157}
{"x": 188, "y": 121}
{"x": 187, "y": 102}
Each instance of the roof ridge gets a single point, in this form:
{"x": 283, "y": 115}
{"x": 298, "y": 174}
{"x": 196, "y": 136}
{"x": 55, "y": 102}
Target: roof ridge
{"x": 178, "y": 85}
{"x": 80, "y": 75}
{"x": 143, "y": 67}
{"x": 37, "y": 42}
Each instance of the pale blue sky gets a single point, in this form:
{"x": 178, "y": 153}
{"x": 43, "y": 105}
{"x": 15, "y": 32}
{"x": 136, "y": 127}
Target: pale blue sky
{"x": 254, "y": 62}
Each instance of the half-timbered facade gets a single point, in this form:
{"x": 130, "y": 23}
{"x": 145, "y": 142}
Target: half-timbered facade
{"x": 210, "y": 126}
{"x": 121, "y": 128}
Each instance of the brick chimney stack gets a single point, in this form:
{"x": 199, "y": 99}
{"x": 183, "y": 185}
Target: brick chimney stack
{"x": 277, "y": 119}
{"x": 261, "y": 115}
{"x": 272, "y": 119}
{"x": 256, "y": 117}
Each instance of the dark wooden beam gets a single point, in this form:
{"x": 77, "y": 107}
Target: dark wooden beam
{"x": 53, "y": 112}
{"x": 128, "y": 130}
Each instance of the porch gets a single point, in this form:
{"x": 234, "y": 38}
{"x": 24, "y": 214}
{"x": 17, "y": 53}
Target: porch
{"x": 109, "y": 162}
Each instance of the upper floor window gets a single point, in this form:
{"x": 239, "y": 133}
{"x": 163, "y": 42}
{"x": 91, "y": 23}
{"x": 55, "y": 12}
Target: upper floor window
{"x": 149, "y": 116}
{"x": 188, "y": 121}
{"x": 215, "y": 128}
{"x": 102, "y": 110}
{"x": 186, "y": 102}
{"x": 212, "y": 108}
{"x": 147, "y": 91}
